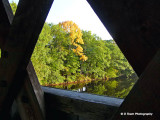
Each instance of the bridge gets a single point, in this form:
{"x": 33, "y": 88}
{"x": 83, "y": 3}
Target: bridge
{"x": 133, "y": 24}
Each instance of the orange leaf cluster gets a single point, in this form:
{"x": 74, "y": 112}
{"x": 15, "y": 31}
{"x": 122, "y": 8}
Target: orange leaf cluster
{"x": 76, "y": 37}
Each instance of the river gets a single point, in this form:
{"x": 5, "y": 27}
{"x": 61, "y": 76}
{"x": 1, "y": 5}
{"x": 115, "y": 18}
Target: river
{"x": 118, "y": 87}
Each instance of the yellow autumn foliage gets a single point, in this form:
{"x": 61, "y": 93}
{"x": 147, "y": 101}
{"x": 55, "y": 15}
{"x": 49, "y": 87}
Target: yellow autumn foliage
{"x": 76, "y": 37}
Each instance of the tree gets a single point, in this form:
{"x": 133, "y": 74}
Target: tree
{"x": 58, "y": 52}
{"x": 119, "y": 63}
{"x": 14, "y": 7}
{"x": 76, "y": 37}
{"x": 98, "y": 56}
{"x": 57, "y": 57}
{"x": 41, "y": 57}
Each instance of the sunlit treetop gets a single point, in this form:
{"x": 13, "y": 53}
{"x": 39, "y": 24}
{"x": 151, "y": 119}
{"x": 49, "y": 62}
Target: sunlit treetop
{"x": 76, "y": 37}
{"x": 14, "y": 7}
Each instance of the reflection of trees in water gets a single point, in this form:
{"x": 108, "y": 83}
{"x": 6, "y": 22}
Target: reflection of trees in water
{"x": 114, "y": 88}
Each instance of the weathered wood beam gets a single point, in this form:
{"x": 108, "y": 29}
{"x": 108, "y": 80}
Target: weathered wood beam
{"x": 5, "y": 20}
{"x": 145, "y": 95}
{"x": 88, "y": 106}
{"x": 34, "y": 108}
{"x": 19, "y": 46}
{"x": 39, "y": 94}
{"x": 31, "y": 109}
{"x": 30, "y": 100}
{"x": 134, "y": 25}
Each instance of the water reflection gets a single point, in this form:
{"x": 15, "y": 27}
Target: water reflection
{"x": 81, "y": 89}
{"x": 119, "y": 87}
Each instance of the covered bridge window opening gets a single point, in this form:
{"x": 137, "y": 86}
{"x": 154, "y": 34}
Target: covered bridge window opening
{"x": 139, "y": 33}
{"x": 82, "y": 56}
{"x": 105, "y": 72}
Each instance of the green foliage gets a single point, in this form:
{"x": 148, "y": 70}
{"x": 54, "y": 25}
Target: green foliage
{"x": 41, "y": 57}
{"x": 58, "y": 58}
{"x": 56, "y": 62}
{"x": 98, "y": 56}
{"x": 119, "y": 65}
{"x": 14, "y": 7}
{"x": 99, "y": 89}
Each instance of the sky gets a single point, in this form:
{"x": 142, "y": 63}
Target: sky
{"x": 80, "y": 12}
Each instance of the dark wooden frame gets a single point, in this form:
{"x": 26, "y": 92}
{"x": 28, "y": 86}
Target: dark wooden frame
{"x": 85, "y": 106}
{"x": 134, "y": 26}
{"x": 17, "y": 47}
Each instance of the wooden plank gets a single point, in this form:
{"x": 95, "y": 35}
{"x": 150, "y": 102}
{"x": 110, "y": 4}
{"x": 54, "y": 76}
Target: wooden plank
{"x": 30, "y": 101}
{"x": 88, "y": 106}
{"x": 39, "y": 94}
{"x": 5, "y": 20}
{"x": 23, "y": 35}
{"x": 134, "y": 25}
{"x": 144, "y": 97}
{"x": 34, "y": 95}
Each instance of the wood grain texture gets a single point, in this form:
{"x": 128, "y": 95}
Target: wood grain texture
{"x": 22, "y": 37}
{"x": 36, "y": 87}
{"x": 145, "y": 95}
{"x": 32, "y": 91}
{"x": 4, "y": 30}
{"x": 134, "y": 25}
{"x": 30, "y": 100}
{"x": 5, "y": 21}
{"x": 88, "y": 106}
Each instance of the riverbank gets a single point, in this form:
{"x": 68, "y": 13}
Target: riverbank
{"x": 73, "y": 82}
{"x": 133, "y": 76}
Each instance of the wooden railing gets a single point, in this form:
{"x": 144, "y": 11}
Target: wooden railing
{"x": 64, "y": 104}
